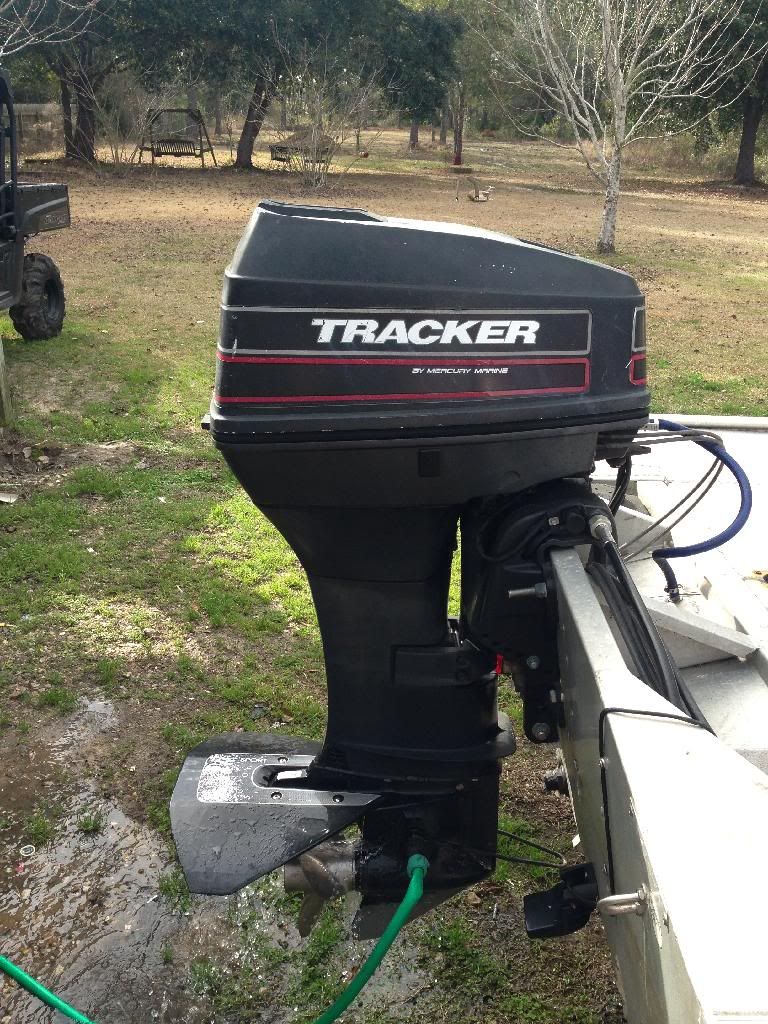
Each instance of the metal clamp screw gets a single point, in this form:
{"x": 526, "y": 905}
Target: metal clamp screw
{"x": 625, "y": 903}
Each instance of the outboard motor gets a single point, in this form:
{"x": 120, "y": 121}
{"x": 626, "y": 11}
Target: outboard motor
{"x": 384, "y": 385}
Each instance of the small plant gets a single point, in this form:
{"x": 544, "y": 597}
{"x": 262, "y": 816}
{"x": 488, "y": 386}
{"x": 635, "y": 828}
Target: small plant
{"x": 466, "y": 967}
{"x": 181, "y": 737}
{"x": 173, "y": 886}
{"x": 314, "y": 985}
{"x": 205, "y": 977}
{"x": 157, "y": 793}
{"x": 108, "y": 672}
{"x": 167, "y": 955}
{"x": 59, "y": 697}
{"x": 38, "y": 828}
{"x": 94, "y": 482}
{"x": 90, "y": 823}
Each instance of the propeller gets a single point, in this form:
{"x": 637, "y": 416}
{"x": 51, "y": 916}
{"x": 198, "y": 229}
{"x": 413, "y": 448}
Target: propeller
{"x": 322, "y": 874}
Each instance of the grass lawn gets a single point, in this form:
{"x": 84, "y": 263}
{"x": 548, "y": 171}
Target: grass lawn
{"x": 134, "y": 570}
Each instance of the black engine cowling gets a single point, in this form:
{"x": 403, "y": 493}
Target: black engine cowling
{"x": 379, "y": 382}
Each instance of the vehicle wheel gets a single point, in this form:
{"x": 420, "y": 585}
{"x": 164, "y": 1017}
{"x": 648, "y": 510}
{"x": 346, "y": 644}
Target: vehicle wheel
{"x": 39, "y": 313}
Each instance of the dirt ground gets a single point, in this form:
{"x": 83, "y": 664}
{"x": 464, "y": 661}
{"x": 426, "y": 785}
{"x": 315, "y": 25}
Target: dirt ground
{"x": 144, "y": 604}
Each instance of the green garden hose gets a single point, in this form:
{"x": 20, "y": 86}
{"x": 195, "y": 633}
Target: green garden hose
{"x": 40, "y": 991}
{"x": 417, "y": 869}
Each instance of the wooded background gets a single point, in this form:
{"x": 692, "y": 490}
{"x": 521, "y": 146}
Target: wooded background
{"x": 597, "y": 74}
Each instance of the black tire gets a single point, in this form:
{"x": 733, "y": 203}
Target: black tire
{"x": 39, "y": 313}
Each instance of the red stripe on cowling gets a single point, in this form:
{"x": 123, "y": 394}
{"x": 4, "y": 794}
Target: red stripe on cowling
{"x": 380, "y": 361}
{"x": 432, "y": 395}
{"x": 403, "y": 396}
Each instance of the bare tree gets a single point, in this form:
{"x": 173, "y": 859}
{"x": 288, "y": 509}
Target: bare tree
{"x": 612, "y": 69}
{"x": 123, "y": 109}
{"x": 334, "y": 97}
{"x": 26, "y": 23}
{"x": 82, "y": 67}
{"x": 458, "y": 99}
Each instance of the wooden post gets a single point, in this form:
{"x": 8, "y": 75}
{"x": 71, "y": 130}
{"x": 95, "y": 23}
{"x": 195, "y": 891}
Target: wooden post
{"x": 6, "y": 412}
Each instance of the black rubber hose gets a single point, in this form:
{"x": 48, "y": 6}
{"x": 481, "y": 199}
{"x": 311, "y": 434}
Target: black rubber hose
{"x": 646, "y": 664}
{"x": 681, "y": 694}
{"x": 673, "y": 587}
{"x": 661, "y": 654}
{"x": 623, "y": 478}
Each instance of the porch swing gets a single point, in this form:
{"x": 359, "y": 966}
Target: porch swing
{"x": 175, "y": 131}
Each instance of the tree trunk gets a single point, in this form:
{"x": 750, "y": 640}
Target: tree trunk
{"x": 362, "y": 122}
{"x": 458, "y": 130}
{"x": 193, "y": 103}
{"x": 254, "y": 119}
{"x": 283, "y": 112}
{"x": 66, "y": 110}
{"x": 413, "y": 141}
{"x": 445, "y": 117}
{"x": 606, "y": 241}
{"x": 745, "y": 164}
{"x": 218, "y": 115}
{"x": 84, "y": 140}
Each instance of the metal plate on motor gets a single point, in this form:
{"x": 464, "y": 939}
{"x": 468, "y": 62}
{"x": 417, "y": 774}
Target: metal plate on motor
{"x": 229, "y": 825}
{"x": 244, "y": 779}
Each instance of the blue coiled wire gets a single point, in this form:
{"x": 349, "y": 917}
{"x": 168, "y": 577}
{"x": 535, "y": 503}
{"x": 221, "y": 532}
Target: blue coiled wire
{"x": 662, "y": 555}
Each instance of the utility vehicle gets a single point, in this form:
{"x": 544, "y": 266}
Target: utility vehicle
{"x": 30, "y": 283}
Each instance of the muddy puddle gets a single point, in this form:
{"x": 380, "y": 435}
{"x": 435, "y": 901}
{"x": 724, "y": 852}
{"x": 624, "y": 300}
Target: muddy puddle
{"x": 83, "y": 912}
